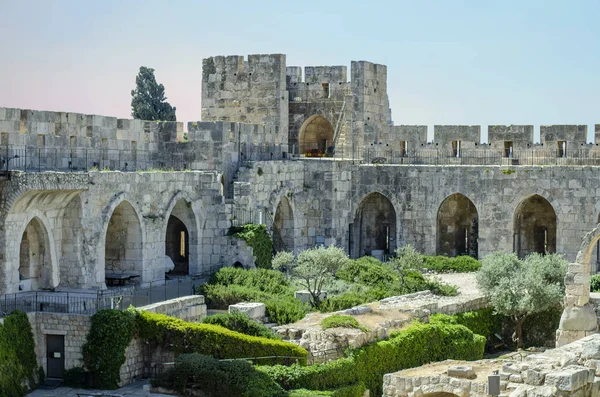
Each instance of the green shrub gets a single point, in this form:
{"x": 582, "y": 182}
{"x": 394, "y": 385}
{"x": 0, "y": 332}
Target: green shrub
{"x": 104, "y": 349}
{"x": 194, "y": 372}
{"x": 417, "y": 345}
{"x": 18, "y": 362}
{"x": 221, "y": 296}
{"x": 285, "y": 310}
{"x": 444, "y": 264}
{"x": 240, "y": 322}
{"x": 540, "y": 328}
{"x": 595, "y": 283}
{"x": 75, "y": 377}
{"x": 346, "y": 391}
{"x": 269, "y": 281}
{"x": 211, "y": 340}
{"x": 339, "y": 320}
{"x": 257, "y": 237}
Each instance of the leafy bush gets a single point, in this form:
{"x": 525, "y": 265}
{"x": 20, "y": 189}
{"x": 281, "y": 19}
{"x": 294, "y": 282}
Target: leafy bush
{"x": 75, "y": 377}
{"x": 18, "y": 362}
{"x": 221, "y": 296}
{"x": 211, "y": 340}
{"x": 285, "y": 310}
{"x": 482, "y": 322}
{"x": 339, "y": 320}
{"x": 417, "y": 345}
{"x": 194, "y": 372}
{"x": 257, "y": 237}
{"x": 595, "y": 283}
{"x": 346, "y": 391}
{"x": 240, "y": 322}
{"x": 269, "y": 281}
{"x": 104, "y": 350}
{"x": 444, "y": 264}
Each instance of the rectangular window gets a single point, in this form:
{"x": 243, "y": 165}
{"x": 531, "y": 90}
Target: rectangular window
{"x": 325, "y": 90}
{"x": 455, "y": 148}
{"x": 73, "y": 141}
{"x": 182, "y": 245}
{"x": 4, "y": 138}
{"x": 403, "y": 148}
{"x": 508, "y": 149}
{"x": 41, "y": 140}
{"x": 562, "y": 148}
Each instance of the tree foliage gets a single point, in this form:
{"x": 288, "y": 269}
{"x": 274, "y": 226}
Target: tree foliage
{"x": 313, "y": 267}
{"x": 520, "y": 288}
{"x": 148, "y": 101}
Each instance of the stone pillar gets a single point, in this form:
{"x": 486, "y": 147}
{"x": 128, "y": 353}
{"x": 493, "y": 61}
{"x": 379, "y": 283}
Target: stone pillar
{"x": 579, "y": 317}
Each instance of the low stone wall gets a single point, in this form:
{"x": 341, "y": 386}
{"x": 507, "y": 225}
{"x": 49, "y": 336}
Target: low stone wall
{"x": 188, "y": 308}
{"x": 141, "y": 358}
{"x": 571, "y": 370}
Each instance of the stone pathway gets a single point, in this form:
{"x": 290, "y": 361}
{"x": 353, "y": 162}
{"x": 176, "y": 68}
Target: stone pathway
{"x": 465, "y": 282}
{"x": 137, "y": 389}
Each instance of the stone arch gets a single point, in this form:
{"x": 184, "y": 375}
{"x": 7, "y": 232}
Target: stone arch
{"x": 442, "y": 389}
{"x": 316, "y": 133}
{"x": 124, "y": 240}
{"x": 73, "y": 273}
{"x": 457, "y": 227}
{"x": 182, "y": 236}
{"x": 374, "y": 227}
{"x": 37, "y": 260}
{"x": 193, "y": 215}
{"x": 283, "y": 226}
{"x": 535, "y": 226}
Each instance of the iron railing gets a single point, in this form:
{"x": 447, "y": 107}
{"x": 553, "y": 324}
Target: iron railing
{"x": 89, "y": 302}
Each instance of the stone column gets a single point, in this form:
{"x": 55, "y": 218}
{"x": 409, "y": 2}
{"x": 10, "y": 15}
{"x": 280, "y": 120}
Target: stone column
{"x": 579, "y": 317}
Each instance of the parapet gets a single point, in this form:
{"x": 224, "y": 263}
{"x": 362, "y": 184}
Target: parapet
{"x": 411, "y": 136}
{"x": 553, "y": 136}
{"x": 510, "y": 136}
{"x": 457, "y": 136}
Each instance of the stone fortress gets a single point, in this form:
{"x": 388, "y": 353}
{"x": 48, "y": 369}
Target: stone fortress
{"x": 314, "y": 156}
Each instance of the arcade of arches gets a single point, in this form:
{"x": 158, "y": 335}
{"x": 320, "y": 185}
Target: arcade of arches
{"x": 316, "y": 133}
{"x": 457, "y": 227}
{"x": 283, "y": 227}
{"x": 374, "y": 229}
{"x": 534, "y": 227}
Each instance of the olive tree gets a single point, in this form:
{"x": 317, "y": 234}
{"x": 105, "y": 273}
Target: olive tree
{"x": 312, "y": 267}
{"x": 519, "y": 288}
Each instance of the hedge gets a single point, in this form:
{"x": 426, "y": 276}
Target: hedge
{"x": 211, "y": 340}
{"x": 346, "y": 391}
{"x": 242, "y": 323}
{"x": 444, "y": 264}
{"x": 18, "y": 362}
{"x": 417, "y": 345}
{"x": 213, "y": 378}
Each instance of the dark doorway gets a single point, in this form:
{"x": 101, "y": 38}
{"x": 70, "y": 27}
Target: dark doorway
{"x": 457, "y": 227}
{"x": 535, "y": 227}
{"x": 177, "y": 245}
{"x": 55, "y": 353}
{"x": 374, "y": 227}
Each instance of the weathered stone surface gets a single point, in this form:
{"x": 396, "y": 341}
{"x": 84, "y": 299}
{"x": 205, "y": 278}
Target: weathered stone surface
{"x": 569, "y": 379}
{"x": 461, "y": 371}
{"x": 255, "y": 310}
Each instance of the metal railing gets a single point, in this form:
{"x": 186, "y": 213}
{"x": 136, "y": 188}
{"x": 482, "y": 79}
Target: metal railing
{"x": 89, "y": 302}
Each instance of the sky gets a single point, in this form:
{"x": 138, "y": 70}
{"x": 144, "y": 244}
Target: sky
{"x": 449, "y": 62}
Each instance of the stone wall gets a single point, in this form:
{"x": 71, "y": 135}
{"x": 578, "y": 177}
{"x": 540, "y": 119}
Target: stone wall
{"x": 188, "y": 308}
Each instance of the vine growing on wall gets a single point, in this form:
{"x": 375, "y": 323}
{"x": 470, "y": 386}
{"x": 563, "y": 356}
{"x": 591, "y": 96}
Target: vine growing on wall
{"x": 257, "y": 237}
{"x": 18, "y": 362}
{"x": 104, "y": 350}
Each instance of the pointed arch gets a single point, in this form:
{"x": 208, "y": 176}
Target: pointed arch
{"x": 457, "y": 227}
{"x": 37, "y": 262}
{"x": 534, "y": 224}
{"x": 316, "y": 134}
{"x": 123, "y": 241}
{"x": 374, "y": 228}
{"x": 283, "y": 226}
{"x": 181, "y": 238}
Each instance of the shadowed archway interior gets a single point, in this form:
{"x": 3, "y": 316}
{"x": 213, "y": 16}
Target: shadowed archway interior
{"x": 374, "y": 227}
{"x": 123, "y": 246}
{"x": 316, "y": 134}
{"x": 534, "y": 227}
{"x": 457, "y": 227}
{"x": 35, "y": 261}
{"x": 283, "y": 227}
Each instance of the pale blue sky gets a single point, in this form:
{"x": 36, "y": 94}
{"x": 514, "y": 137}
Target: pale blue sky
{"x": 449, "y": 62}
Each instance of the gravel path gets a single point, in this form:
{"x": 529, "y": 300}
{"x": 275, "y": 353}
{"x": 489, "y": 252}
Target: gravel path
{"x": 465, "y": 282}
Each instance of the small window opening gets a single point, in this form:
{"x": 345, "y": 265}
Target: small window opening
{"x": 403, "y": 148}
{"x": 41, "y": 140}
{"x": 455, "y": 148}
{"x": 508, "y": 149}
{"x": 182, "y": 244}
{"x": 325, "y": 90}
{"x": 562, "y": 148}
{"x": 4, "y": 138}
{"x": 73, "y": 141}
